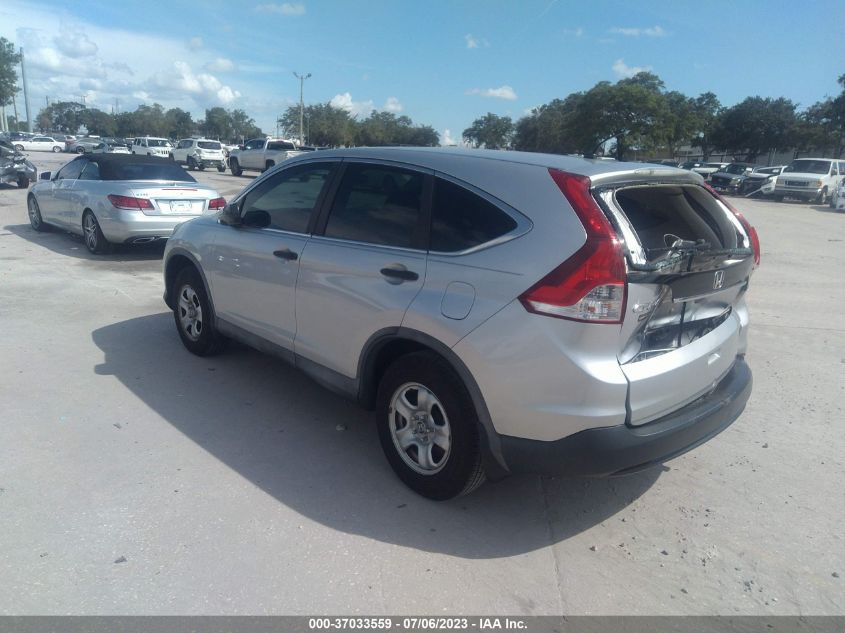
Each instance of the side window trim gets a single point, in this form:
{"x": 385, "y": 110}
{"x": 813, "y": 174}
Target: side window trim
{"x": 424, "y": 220}
{"x": 523, "y": 223}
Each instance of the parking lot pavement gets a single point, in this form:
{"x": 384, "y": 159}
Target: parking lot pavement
{"x": 136, "y": 478}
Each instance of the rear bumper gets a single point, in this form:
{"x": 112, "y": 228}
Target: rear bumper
{"x": 624, "y": 449}
{"x": 132, "y": 226}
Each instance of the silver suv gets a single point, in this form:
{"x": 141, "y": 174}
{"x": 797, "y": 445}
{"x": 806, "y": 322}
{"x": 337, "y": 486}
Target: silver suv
{"x": 502, "y": 312}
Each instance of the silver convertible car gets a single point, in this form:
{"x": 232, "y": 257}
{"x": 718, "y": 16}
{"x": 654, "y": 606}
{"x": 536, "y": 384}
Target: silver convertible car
{"x": 118, "y": 199}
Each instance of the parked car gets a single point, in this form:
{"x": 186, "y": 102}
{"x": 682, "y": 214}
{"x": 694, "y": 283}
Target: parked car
{"x": 811, "y": 179}
{"x": 199, "y": 153}
{"x": 110, "y": 147}
{"x": 754, "y": 181}
{"x": 151, "y": 146}
{"x": 40, "y": 144}
{"x": 83, "y": 145}
{"x": 837, "y": 197}
{"x": 261, "y": 154}
{"x": 14, "y": 167}
{"x": 118, "y": 198}
{"x": 501, "y": 311}
{"x": 690, "y": 164}
{"x": 708, "y": 169}
{"x": 729, "y": 179}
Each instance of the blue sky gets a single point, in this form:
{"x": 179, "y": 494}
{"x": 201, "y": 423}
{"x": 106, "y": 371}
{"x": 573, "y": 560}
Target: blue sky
{"x": 441, "y": 63}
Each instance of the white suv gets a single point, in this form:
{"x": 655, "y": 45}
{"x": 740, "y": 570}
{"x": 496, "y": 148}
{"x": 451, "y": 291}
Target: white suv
{"x": 151, "y": 146}
{"x": 199, "y": 153}
{"x": 500, "y": 311}
{"x": 810, "y": 179}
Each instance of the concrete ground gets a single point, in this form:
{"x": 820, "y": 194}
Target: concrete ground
{"x": 136, "y": 478}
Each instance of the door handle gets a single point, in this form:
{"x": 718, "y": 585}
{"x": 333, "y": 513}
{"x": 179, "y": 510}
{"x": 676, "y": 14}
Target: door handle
{"x": 286, "y": 253}
{"x": 398, "y": 273}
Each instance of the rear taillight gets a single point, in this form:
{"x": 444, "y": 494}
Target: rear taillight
{"x": 591, "y": 285}
{"x": 750, "y": 231}
{"x": 217, "y": 203}
{"x": 128, "y": 202}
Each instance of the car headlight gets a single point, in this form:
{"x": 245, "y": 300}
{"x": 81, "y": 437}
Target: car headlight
{"x": 816, "y": 183}
{"x": 735, "y": 181}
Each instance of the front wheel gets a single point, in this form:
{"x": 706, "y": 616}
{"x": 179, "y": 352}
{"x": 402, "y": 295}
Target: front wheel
{"x": 95, "y": 241}
{"x": 34, "y": 212}
{"x": 23, "y": 182}
{"x": 428, "y": 427}
{"x": 193, "y": 315}
{"x": 822, "y": 198}
{"x": 235, "y": 167}
{"x": 191, "y": 163}
{"x": 221, "y": 168}
{"x": 56, "y": 149}
{"x": 19, "y": 148}
{"x": 81, "y": 150}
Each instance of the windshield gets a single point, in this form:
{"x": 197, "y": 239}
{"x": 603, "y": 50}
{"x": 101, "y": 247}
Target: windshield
{"x": 735, "y": 169}
{"x": 209, "y": 145}
{"x": 157, "y": 142}
{"x": 144, "y": 171}
{"x": 809, "y": 166}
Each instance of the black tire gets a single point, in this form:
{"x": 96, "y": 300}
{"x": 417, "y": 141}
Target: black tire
{"x": 192, "y": 164}
{"x": 56, "y": 149}
{"x": 81, "y": 150}
{"x": 34, "y": 212}
{"x": 201, "y": 166}
{"x": 221, "y": 168}
{"x": 235, "y": 167}
{"x": 461, "y": 470}
{"x": 822, "y": 197}
{"x": 188, "y": 288}
{"x": 23, "y": 182}
{"x": 19, "y": 148}
{"x": 92, "y": 234}
{"x": 777, "y": 198}
{"x": 268, "y": 166}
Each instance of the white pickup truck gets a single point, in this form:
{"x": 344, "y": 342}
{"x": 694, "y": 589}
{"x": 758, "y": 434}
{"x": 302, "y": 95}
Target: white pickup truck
{"x": 261, "y": 154}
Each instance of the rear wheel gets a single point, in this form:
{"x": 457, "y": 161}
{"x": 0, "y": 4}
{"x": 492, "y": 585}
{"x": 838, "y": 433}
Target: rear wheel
{"x": 269, "y": 165}
{"x": 23, "y": 182}
{"x": 193, "y": 314}
{"x": 19, "y": 148}
{"x": 56, "y": 149}
{"x": 235, "y": 167}
{"x": 34, "y": 212}
{"x": 81, "y": 150}
{"x": 428, "y": 427}
{"x": 95, "y": 241}
{"x": 192, "y": 164}
{"x": 221, "y": 168}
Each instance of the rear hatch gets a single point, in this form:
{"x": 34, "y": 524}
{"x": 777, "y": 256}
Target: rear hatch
{"x": 689, "y": 260}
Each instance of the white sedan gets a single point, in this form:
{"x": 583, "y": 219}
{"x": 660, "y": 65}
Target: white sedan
{"x": 40, "y": 144}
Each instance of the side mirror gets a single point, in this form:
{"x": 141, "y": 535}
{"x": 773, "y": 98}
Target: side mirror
{"x": 256, "y": 218}
{"x": 231, "y": 215}
{"x": 46, "y": 175}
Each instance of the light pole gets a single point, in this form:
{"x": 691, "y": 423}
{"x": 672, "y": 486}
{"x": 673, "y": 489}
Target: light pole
{"x": 302, "y": 79}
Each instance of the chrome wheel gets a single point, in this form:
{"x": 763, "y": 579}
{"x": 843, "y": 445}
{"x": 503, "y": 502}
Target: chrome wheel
{"x": 89, "y": 226}
{"x": 190, "y": 312}
{"x": 34, "y": 213}
{"x": 420, "y": 428}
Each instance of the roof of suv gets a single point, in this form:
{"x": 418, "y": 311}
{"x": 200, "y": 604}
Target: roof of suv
{"x": 430, "y": 156}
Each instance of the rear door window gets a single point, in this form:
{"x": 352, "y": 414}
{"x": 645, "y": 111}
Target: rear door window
{"x": 290, "y": 196}
{"x": 72, "y": 170}
{"x": 461, "y": 219}
{"x": 378, "y": 204}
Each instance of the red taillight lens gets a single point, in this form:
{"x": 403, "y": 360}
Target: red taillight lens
{"x": 591, "y": 285}
{"x": 750, "y": 231}
{"x": 128, "y": 202}
{"x": 217, "y": 203}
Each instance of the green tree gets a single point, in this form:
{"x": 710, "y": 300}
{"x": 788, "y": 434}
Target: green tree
{"x": 706, "y": 111}
{"x": 243, "y": 126}
{"x": 64, "y": 116}
{"x": 756, "y": 125}
{"x": 9, "y": 58}
{"x": 551, "y": 128}
{"x": 217, "y": 124}
{"x": 326, "y": 125}
{"x": 679, "y": 124}
{"x": 490, "y": 131}
{"x": 179, "y": 123}
{"x": 98, "y": 122}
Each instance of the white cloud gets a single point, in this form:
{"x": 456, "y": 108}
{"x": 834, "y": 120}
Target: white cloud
{"x": 653, "y": 31}
{"x": 475, "y": 42}
{"x": 355, "y": 108}
{"x": 74, "y": 42}
{"x": 203, "y": 87}
{"x": 502, "y": 92}
{"x": 393, "y": 105}
{"x": 286, "y": 8}
{"x": 447, "y": 140}
{"x": 623, "y": 70}
{"x": 195, "y": 43}
{"x": 579, "y": 32}
{"x": 90, "y": 84}
{"x": 220, "y": 65}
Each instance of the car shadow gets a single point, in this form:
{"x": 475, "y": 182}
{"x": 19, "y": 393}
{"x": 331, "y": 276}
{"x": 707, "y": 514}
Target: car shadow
{"x": 64, "y": 243}
{"x": 825, "y": 208}
{"x": 319, "y": 455}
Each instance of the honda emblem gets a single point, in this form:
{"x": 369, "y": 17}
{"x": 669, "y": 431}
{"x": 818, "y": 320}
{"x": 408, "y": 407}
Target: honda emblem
{"x": 719, "y": 279}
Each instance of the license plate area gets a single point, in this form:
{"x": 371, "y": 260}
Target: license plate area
{"x": 180, "y": 207}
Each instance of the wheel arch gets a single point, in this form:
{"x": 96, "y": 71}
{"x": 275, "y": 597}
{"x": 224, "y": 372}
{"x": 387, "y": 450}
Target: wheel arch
{"x": 386, "y": 345}
{"x": 177, "y": 260}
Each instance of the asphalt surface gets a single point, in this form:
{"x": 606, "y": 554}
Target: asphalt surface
{"x": 136, "y": 478}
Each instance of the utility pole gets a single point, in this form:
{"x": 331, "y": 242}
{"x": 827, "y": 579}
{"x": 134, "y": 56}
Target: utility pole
{"x": 25, "y": 94}
{"x": 302, "y": 79}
